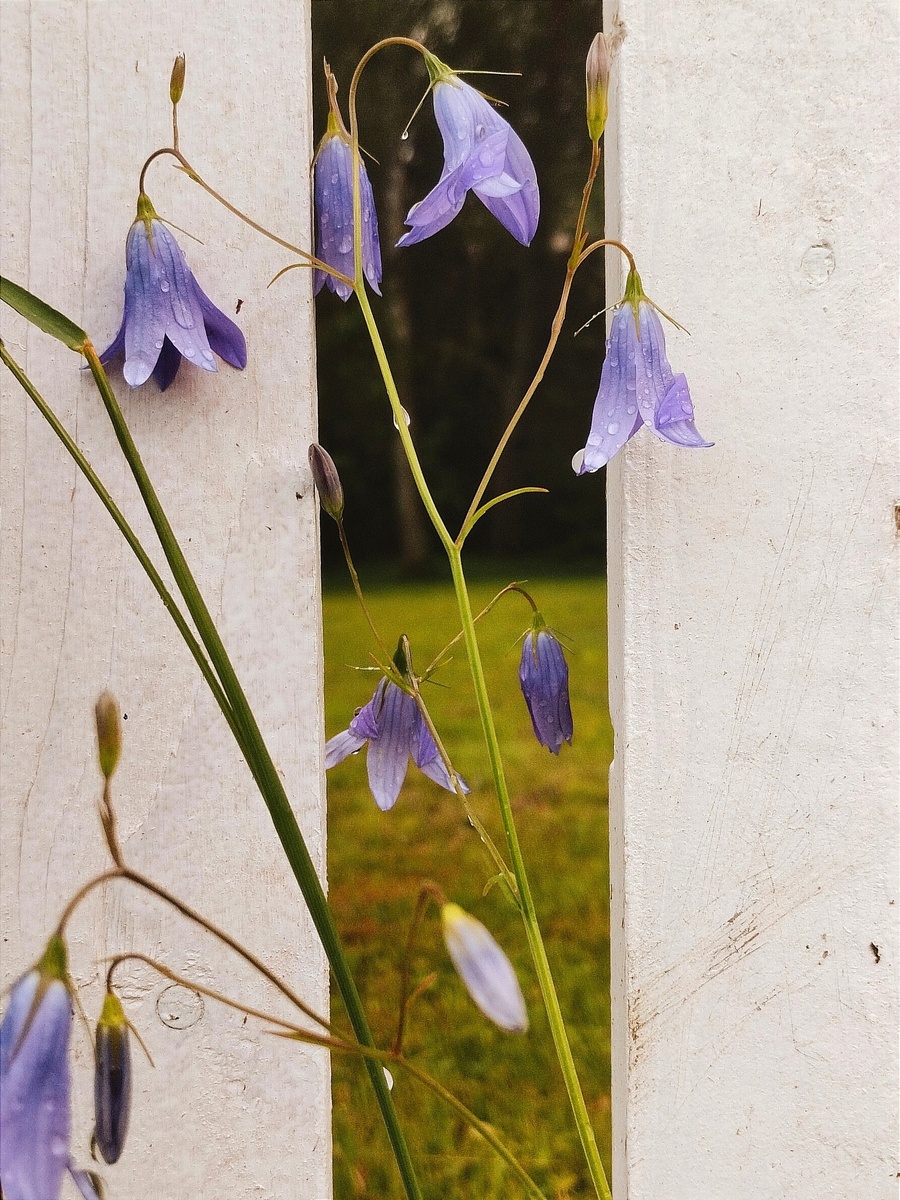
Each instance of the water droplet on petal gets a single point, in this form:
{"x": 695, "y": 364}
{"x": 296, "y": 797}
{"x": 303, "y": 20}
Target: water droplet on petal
{"x": 405, "y": 419}
{"x": 334, "y": 177}
{"x": 164, "y": 285}
{"x": 58, "y": 1146}
{"x": 612, "y": 427}
{"x": 631, "y": 410}
{"x": 189, "y": 351}
{"x": 158, "y": 344}
{"x": 577, "y": 460}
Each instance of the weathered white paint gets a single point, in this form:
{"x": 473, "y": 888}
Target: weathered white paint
{"x": 752, "y": 604}
{"x": 228, "y": 1110}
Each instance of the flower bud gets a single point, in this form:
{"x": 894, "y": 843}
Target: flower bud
{"x": 484, "y": 969}
{"x": 596, "y": 73}
{"x": 544, "y": 679}
{"x": 176, "y": 82}
{"x": 112, "y": 1080}
{"x": 327, "y": 481}
{"x": 109, "y": 733}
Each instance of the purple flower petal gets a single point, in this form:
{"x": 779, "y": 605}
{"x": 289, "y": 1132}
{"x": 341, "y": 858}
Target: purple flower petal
{"x": 166, "y": 365}
{"x": 616, "y": 417}
{"x": 675, "y": 416}
{"x": 341, "y": 746}
{"x": 388, "y": 755}
{"x": 484, "y": 154}
{"x": 225, "y": 338}
{"x": 34, "y": 1089}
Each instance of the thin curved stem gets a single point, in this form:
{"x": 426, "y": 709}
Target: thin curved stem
{"x": 369, "y": 1053}
{"x": 142, "y": 881}
{"x": 357, "y": 587}
{"x": 194, "y": 175}
{"x": 555, "y": 330}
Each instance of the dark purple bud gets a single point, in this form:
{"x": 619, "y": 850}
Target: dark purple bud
{"x": 327, "y": 481}
{"x": 112, "y": 1080}
{"x": 544, "y": 676}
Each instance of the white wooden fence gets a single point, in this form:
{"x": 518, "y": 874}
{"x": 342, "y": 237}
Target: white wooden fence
{"x": 752, "y": 590}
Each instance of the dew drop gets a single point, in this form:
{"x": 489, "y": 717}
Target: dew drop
{"x": 189, "y": 351}
{"x": 612, "y": 427}
{"x": 334, "y": 177}
{"x": 164, "y": 285}
{"x": 686, "y": 408}
{"x": 631, "y": 410}
{"x": 578, "y": 460}
{"x": 404, "y": 136}
{"x": 479, "y": 131}
{"x": 158, "y": 344}
{"x": 485, "y": 157}
{"x": 58, "y": 1147}
{"x": 405, "y": 419}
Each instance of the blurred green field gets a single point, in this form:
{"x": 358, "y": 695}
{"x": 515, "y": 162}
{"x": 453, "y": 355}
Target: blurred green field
{"x": 377, "y": 861}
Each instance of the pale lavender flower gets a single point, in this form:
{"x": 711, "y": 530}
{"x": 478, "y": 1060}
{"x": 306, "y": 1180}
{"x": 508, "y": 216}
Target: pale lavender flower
{"x": 482, "y": 153}
{"x": 484, "y": 969}
{"x": 167, "y": 315}
{"x": 637, "y": 386}
{"x": 34, "y": 1081}
{"x": 544, "y": 676}
{"x": 393, "y": 727}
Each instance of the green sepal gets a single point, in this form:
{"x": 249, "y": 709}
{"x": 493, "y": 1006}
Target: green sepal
{"x": 113, "y": 1014}
{"x": 54, "y": 961}
{"x": 438, "y": 72}
{"x": 42, "y": 315}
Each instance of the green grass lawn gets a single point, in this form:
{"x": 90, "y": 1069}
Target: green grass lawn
{"x": 378, "y": 860}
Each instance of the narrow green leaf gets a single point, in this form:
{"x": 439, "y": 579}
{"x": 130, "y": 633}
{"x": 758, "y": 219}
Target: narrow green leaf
{"x": 42, "y": 315}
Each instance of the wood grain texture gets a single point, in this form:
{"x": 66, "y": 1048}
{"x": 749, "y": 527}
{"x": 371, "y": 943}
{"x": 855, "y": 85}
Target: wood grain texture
{"x": 753, "y": 597}
{"x": 228, "y": 1110}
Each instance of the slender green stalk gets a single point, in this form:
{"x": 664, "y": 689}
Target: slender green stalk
{"x": 529, "y": 916}
{"x": 260, "y": 762}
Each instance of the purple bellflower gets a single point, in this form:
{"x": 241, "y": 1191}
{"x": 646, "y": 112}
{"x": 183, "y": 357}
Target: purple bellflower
{"x": 637, "y": 386}
{"x": 482, "y": 153}
{"x": 333, "y": 192}
{"x": 167, "y": 315}
{"x": 485, "y": 970}
{"x": 393, "y": 726}
{"x": 34, "y": 1080}
{"x": 544, "y": 676}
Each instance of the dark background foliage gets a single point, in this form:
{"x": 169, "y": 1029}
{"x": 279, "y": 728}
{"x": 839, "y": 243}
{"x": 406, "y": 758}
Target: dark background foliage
{"x": 466, "y": 314}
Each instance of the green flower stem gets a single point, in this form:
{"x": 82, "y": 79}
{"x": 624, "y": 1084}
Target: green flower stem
{"x": 127, "y": 532}
{"x": 526, "y": 902}
{"x": 529, "y": 916}
{"x": 260, "y": 762}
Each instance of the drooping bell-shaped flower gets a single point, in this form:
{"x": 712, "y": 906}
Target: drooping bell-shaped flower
{"x": 637, "y": 386}
{"x": 34, "y": 1080}
{"x": 112, "y": 1079}
{"x": 333, "y": 194}
{"x": 482, "y": 153}
{"x": 485, "y": 970}
{"x": 167, "y": 315}
{"x": 395, "y": 731}
{"x": 544, "y": 676}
